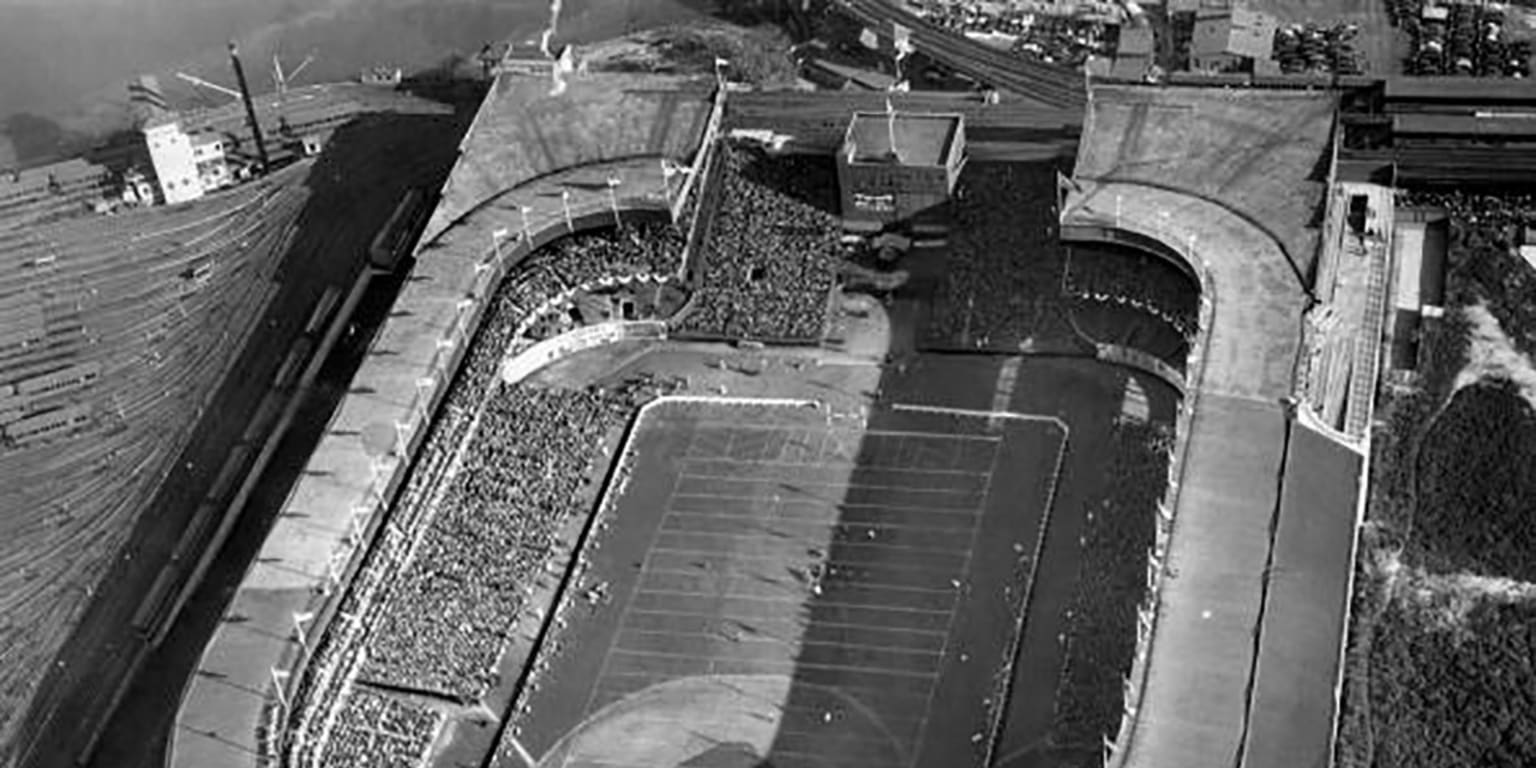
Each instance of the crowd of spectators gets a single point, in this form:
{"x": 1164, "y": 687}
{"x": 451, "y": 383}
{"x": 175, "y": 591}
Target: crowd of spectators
{"x": 1111, "y": 583}
{"x": 374, "y": 730}
{"x": 1003, "y": 275}
{"x": 1050, "y": 39}
{"x": 564, "y": 268}
{"x": 1117, "y": 289}
{"x": 445, "y": 619}
{"x": 431, "y": 607}
{"x": 769, "y": 261}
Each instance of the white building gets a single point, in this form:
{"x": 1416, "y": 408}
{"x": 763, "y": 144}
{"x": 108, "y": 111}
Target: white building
{"x": 175, "y": 161}
{"x": 212, "y": 168}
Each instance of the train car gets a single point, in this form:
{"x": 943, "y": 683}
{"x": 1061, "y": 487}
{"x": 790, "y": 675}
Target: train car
{"x": 53, "y": 423}
{"x": 62, "y": 380}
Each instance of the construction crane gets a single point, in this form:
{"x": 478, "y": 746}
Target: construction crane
{"x": 281, "y": 78}
{"x": 230, "y": 92}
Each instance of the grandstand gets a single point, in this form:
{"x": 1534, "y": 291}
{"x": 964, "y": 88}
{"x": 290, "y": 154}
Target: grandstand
{"x": 1239, "y": 661}
{"x": 524, "y": 178}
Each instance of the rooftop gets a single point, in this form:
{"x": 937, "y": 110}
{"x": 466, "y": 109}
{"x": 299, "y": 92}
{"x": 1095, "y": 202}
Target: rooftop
{"x": 921, "y": 139}
{"x": 1236, "y": 31}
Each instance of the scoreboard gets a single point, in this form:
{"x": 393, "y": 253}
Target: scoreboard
{"x": 898, "y": 169}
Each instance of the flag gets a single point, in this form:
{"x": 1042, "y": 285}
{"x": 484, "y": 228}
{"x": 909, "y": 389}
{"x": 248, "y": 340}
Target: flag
{"x": 869, "y": 39}
{"x": 902, "y": 40}
{"x": 900, "y": 86}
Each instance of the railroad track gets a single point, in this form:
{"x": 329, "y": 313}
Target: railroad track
{"x": 1055, "y": 86}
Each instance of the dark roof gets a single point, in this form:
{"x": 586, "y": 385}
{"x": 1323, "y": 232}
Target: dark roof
{"x": 1465, "y": 90}
{"x": 1300, "y": 635}
{"x": 1424, "y": 123}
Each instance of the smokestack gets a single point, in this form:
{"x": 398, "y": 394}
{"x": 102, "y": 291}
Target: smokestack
{"x": 250, "y": 108}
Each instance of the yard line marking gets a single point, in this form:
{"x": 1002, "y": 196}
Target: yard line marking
{"x": 840, "y": 504}
{"x": 824, "y": 525}
{"x": 799, "y": 601}
{"x": 825, "y": 464}
{"x": 775, "y": 640}
{"x": 798, "y": 589}
{"x": 794, "y": 662}
{"x": 853, "y": 544}
{"x": 922, "y": 733}
{"x": 820, "y": 426}
{"x": 628, "y": 601}
{"x": 779, "y": 561}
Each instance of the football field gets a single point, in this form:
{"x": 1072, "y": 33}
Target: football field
{"x": 774, "y": 582}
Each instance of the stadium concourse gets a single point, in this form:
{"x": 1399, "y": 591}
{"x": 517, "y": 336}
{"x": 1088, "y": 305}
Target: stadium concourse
{"x": 1243, "y": 662}
{"x": 533, "y": 167}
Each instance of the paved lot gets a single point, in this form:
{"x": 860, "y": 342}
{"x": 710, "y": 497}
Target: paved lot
{"x": 862, "y": 587}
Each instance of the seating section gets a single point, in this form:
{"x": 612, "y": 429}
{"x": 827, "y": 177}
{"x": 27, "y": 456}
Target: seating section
{"x": 1002, "y": 280}
{"x": 500, "y": 470}
{"x": 769, "y": 259}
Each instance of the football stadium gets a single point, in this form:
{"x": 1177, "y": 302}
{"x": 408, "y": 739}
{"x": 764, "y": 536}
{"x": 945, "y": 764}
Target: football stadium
{"x": 653, "y": 418}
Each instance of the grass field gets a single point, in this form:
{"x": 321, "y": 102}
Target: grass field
{"x": 799, "y": 588}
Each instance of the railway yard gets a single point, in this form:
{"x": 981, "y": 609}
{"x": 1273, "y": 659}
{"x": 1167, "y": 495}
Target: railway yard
{"x": 1173, "y": 420}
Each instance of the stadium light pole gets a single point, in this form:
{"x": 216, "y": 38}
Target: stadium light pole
{"x": 496, "y": 238}
{"x": 278, "y": 685}
{"x": 613, "y": 198}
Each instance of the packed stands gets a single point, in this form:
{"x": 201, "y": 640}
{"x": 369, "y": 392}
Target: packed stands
{"x": 1002, "y": 281}
{"x": 769, "y": 259}
{"x": 501, "y": 468}
{"x": 374, "y": 730}
{"x": 1111, "y": 586}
